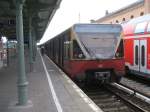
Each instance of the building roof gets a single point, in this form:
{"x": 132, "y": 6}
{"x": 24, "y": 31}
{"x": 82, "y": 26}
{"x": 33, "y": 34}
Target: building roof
{"x": 42, "y": 12}
{"x": 139, "y": 2}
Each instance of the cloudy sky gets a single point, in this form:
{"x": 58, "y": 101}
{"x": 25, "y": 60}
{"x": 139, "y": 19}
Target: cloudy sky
{"x": 80, "y": 11}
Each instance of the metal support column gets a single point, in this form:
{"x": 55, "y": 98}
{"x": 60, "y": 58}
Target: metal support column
{"x": 7, "y": 53}
{"x": 22, "y": 81}
{"x": 34, "y": 45}
{"x": 30, "y": 43}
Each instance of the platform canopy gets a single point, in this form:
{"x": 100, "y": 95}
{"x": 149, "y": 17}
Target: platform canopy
{"x": 41, "y": 11}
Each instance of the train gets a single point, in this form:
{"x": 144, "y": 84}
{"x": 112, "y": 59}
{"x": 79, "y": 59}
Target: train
{"x": 136, "y": 36}
{"x": 89, "y": 52}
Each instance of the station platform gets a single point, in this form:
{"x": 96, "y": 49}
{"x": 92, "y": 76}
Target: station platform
{"x": 49, "y": 89}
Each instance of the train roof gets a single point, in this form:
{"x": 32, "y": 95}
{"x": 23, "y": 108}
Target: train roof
{"x": 97, "y": 28}
{"x": 92, "y": 27}
{"x": 130, "y": 26}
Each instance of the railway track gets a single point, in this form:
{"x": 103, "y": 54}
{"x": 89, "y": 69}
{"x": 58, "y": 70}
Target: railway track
{"x": 140, "y": 86}
{"x": 133, "y": 99}
{"x": 112, "y": 98}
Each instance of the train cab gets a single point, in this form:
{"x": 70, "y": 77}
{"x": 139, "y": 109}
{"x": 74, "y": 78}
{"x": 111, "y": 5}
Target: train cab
{"x": 88, "y": 52}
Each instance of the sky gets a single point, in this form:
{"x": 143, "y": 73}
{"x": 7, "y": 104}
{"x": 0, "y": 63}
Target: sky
{"x": 80, "y": 11}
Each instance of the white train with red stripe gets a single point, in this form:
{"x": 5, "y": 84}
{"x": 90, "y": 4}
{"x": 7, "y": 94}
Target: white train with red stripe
{"x": 137, "y": 46}
{"x": 89, "y": 52}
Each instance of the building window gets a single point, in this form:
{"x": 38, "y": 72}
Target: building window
{"x": 132, "y": 17}
{"x": 123, "y": 19}
{"x": 142, "y": 13}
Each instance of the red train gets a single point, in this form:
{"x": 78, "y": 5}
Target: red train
{"x": 88, "y": 52}
{"x": 137, "y": 46}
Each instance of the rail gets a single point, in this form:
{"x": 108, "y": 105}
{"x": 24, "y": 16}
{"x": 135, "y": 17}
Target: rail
{"x": 131, "y": 91}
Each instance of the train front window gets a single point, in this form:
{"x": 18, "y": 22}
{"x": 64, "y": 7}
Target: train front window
{"x": 120, "y": 50}
{"x": 100, "y": 45}
{"x": 77, "y": 52}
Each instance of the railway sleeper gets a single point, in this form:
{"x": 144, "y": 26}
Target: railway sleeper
{"x": 111, "y": 105}
{"x": 116, "y": 109}
{"x": 100, "y": 96}
{"x": 108, "y": 100}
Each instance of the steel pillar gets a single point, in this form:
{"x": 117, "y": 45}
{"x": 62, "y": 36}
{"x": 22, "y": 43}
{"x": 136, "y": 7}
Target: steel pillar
{"x": 30, "y": 43}
{"x": 22, "y": 81}
{"x": 34, "y": 45}
{"x": 7, "y": 54}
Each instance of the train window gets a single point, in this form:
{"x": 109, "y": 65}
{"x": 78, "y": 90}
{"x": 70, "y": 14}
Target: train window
{"x": 136, "y": 55}
{"x": 67, "y": 49}
{"x": 100, "y": 46}
{"x": 77, "y": 52}
{"x": 148, "y": 28}
{"x": 140, "y": 28}
{"x": 143, "y": 55}
{"x": 120, "y": 52}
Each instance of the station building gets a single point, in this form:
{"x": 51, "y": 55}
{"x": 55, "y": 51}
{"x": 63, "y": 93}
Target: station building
{"x": 139, "y": 8}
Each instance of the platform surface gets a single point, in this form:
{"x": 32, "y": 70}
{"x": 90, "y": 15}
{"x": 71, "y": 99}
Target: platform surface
{"x": 49, "y": 89}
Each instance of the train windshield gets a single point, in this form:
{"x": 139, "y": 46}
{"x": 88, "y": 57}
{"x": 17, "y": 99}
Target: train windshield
{"x": 100, "y": 45}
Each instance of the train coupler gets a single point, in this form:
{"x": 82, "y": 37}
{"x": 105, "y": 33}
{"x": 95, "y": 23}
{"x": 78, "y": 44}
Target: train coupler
{"x": 102, "y": 76}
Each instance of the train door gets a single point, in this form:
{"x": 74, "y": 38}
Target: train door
{"x": 140, "y": 57}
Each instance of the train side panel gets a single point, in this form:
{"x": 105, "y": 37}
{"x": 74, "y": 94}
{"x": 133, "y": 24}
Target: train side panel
{"x": 128, "y": 51}
{"x": 61, "y": 50}
{"x": 137, "y": 46}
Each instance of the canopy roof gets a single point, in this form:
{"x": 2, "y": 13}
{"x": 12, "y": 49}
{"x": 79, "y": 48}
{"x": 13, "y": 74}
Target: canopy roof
{"x": 41, "y": 11}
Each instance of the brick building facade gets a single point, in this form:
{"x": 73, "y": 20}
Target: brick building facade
{"x": 139, "y": 8}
